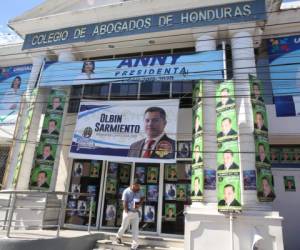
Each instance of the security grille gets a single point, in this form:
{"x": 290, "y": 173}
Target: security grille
{"x": 4, "y": 151}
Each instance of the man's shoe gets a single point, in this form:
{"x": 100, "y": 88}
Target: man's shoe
{"x": 118, "y": 240}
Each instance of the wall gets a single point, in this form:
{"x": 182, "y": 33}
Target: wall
{"x": 288, "y": 204}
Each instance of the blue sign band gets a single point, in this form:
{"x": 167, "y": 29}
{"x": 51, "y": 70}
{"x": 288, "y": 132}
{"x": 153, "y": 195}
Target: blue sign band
{"x": 214, "y": 15}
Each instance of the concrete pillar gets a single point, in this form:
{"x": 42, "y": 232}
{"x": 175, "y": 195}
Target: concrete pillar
{"x": 37, "y": 61}
{"x": 62, "y": 163}
{"x": 207, "y": 42}
{"x": 243, "y": 64}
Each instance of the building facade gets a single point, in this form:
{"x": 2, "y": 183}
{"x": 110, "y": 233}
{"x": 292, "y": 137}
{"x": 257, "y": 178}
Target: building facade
{"x": 242, "y": 38}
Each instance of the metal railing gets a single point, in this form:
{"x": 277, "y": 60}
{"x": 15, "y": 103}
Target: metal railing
{"x": 17, "y": 200}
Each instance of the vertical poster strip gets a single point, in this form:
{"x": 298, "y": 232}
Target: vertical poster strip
{"x": 29, "y": 114}
{"x": 228, "y": 158}
{"x": 197, "y": 179}
{"x": 42, "y": 170}
{"x": 264, "y": 179}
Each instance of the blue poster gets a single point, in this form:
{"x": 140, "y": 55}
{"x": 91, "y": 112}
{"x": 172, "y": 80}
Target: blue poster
{"x": 203, "y": 65}
{"x": 13, "y": 83}
{"x": 284, "y": 56}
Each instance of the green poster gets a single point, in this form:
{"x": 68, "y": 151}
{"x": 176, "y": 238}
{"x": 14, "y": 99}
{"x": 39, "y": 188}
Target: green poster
{"x": 262, "y": 149}
{"x": 256, "y": 89}
{"x": 170, "y": 212}
{"x": 197, "y": 157}
{"x": 171, "y": 172}
{"x": 56, "y": 101}
{"x": 41, "y": 176}
{"x": 181, "y": 194}
{"x": 260, "y": 120}
{"x": 52, "y": 125}
{"x": 286, "y": 155}
{"x": 225, "y": 96}
{"x": 289, "y": 183}
{"x": 226, "y": 126}
{"x": 265, "y": 186}
{"x": 197, "y": 93}
{"x": 197, "y": 184}
{"x": 229, "y": 192}
{"x": 228, "y": 156}
{"x": 197, "y": 121}
{"x": 46, "y": 150}
{"x": 274, "y": 155}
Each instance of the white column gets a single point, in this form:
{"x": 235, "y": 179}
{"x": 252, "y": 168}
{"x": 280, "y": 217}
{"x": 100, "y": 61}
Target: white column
{"x": 37, "y": 61}
{"x": 62, "y": 164}
{"x": 243, "y": 64}
{"x": 207, "y": 42}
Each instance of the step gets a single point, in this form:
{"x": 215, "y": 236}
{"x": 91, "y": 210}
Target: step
{"x": 156, "y": 241}
{"x": 110, "y": 245}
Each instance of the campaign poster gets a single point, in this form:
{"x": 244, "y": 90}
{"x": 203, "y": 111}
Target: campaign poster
{"x": 152, "y": 193}
{"x": 197, "y": 93}
{"x": 92, "y": 190}
{"x": 284, "y": 59}
{"x": 265, "y": 185}
{"x": 75, "y": 189}
{"x": 181, "y": 194}
{"x": 140, "y": 174}
{"x": 229, "y": 192}
{"x": 184, "y": 149}
{"x": 209, "y": 179}
{"x": 286, "y": 155}
{"x": 124, "y": 173}
{"x": 111, "y": 186}
{"x": 170, "y": 67}
{"x": 46, "y": 151}
{"x": 226, "y": 126}
{"x": 120, "y": 130}
{"x": 228, "y": 156}
{"x": 13, "y": 84}
{"x": 143, "y": 191}
{"x": 260, "y": 120}
{"x": 52, "y": 125}
{"x": 197, "y": 156}
{"x": 262, "y": 149}
{"x": 94, "y": 169}
{"x": 257, "y": 91}
{"x": 152, "y": 174}
{"x": 274, "y": 155}
{"x": 249, "y": 177}
{"x": 56, "y": 102}
{"x": 170, "y": 212}
{"x": 198, "y": 119}
{"x": 170, "y": 191}
{"x": 171, "y": 172}
{"x": 77, "y": 169}
{"x": 72, "y": 207}
{"x": 289, "y": 183}
{"x": 149, "y": 213}
{"x": 225, "y": 98}
{"x": 110, "y": 212}
{"x": 41, "y": 176}
{"x": 112, "y": 169}
{"x": 197, "y": 184}
{"x": 81, "y": 207}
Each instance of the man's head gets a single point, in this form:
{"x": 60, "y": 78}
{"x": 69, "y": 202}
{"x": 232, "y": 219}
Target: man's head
{"x": 47, "y": 150}
{"x": 41, "y": 178}
{"x": 56, "y": 102}
{"x": 135, "y": 187}
{"x": 226, "y": 125}
{"x": 259, "y": 119}
{"x": 196, "y": 185}
{"x": 261, "y": 151}
{"x": 256, "y": 90}
{"x": 154, "y": 122}
{"x": 52, "y": 125}
{"x": 228, "y": 158}
{"x": 197, "y": 153}
{"x": 224, "y": 96}
{"x": 266, "y": 185}
{"x": 229, "y": 193}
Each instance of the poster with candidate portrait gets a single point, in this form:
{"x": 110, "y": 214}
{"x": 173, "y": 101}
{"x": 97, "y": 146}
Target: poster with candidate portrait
{"x": 209, "y": 179}
{"x": 289, "y": 183}
{"x": 197, "y": 184}
{"x": 260, "y": 120}
{"x": 13, "y": 84}
{"x": 229, "y": 192}
{"x": 56, "y": 101}
{"x": 41, "y": 176}
{"x": 228, "y": 158}
{"x": 249, "y": 179}
{"x": 226, "y": 126}
{"x": 225, "y": 98}
{"x": 262, "y": 149}
{"x": 170, "y": 212}
{"x": 265, "y": 185}
{"x": 197, "y": 156}
{"x": 256, "y": 90}
{"x": 140, "y": 131}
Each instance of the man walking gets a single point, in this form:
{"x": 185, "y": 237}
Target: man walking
{"x": 132, "y": 200}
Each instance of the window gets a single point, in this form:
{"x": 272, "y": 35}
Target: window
{"x": 124, "y": 90}
{"x": 155, "y": 90}
{"x": 99, "y": 91}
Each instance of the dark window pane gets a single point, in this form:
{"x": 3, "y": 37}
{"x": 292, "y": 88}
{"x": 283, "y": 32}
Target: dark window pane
{"x": 124, "y": 90}
{"x": 96, "y": 91}
{"x": 73, "y": 105}
{"x": 76, "y": 91}
{"x": 155, "y": 89}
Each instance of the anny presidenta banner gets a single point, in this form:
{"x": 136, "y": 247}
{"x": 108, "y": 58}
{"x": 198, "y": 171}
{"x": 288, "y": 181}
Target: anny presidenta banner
{"x": 141, "y": 131}
{"x": 13, "y": 83}
{"x": 179, "y": 67}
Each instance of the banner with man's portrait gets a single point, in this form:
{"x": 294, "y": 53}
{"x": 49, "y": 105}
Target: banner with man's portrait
{"x": 13, "y": 84}
{"x": 140, "y": 131}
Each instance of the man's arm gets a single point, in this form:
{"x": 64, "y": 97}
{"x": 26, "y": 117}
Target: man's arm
{"x": 125, "y": 206}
